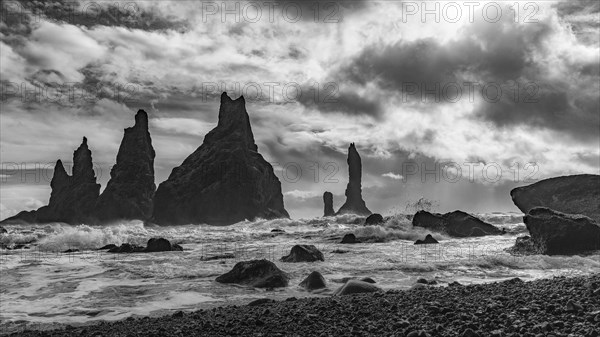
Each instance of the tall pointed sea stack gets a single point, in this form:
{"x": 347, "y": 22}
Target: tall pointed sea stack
{"x": 354, "y": 201}
{"x": 225, "y": 180}
{"x": 130, "y": 190}
{"x": 72, "y": 198}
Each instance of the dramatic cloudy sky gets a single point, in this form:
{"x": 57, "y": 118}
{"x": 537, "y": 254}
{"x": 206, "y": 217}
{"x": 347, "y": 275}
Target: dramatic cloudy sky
{"x": 492, "y": 99}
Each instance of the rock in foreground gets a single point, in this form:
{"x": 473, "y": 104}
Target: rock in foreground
{"x": 356, "y": 287}
{"x": 456, "y": 224}
{"x": 555, "y": 233}
{"x": 256, "y": 273}
{"x": 313, "y": 281}
{"x": 576, "y": 194}
{"x": 225, "y": 180}
{"x": 303, "y": 253}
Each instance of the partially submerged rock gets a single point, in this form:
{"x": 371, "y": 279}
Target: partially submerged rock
{"x": 161, "y": 245}
{"x": 555, "y": 233}
{"x": 304, "y": 253}
{"x": 313, "y": 281}
{"x": 256, "y": 273}
{"x": 154, "y": 245}
{"x": 349, "y": 238}
{"x": 127, "y": 248}
{"x": 456, "y": 224}
{"x": 428, "y": 240}
{"x": 374, "y": 219}
{"x": 356, "y": 287}
{"x": 576, "y": 194}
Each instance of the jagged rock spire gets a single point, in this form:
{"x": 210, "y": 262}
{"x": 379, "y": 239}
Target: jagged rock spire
{"x": 225, "y": 180}
{"x": 354, "y": 201}
{"x": 129, "y": 192}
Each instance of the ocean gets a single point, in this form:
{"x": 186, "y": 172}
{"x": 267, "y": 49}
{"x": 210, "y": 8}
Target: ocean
{"x": 41, "y": 285}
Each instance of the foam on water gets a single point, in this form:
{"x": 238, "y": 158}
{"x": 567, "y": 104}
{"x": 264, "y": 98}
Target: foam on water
{"x": 41, "y": 284}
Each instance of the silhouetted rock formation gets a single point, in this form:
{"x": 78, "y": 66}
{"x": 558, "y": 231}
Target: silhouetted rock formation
{"x": 457, "y": 224}
{"x": 328, "y": 204}
{"x": 256, "y": 273}
{"x": 554, "y": 232}
{"x": 225, "y": 180}
{"x": 303, "y": 253}
{"x": 354, "y": 202}
{"x": 428, "y": 239}
{"x": 356, "y": 287}
{"x": 576, "y": 194}
{"x": 374, "y": 219}
{"x": 129, "y": 192}
{"x": 72, "y": 198}
{"x": 313, "y": 281}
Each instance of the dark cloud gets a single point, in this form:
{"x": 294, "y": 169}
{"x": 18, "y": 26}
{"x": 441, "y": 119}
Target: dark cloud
{"x": 498, "y": 62}
{"x": 344, "y": 101}
{"x": 582, "y": 15}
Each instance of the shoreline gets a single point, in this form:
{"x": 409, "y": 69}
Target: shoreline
{"x": 557, "y": 306}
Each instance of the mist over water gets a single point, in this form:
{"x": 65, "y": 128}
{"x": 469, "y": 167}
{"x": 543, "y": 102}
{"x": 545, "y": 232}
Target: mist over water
{"x": 43, "y": 285}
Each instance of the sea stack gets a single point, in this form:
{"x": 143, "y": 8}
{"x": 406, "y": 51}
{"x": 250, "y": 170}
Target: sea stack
{"x": 130, "y": 190}
{"x": 328, "y": 204}
{"x": 354, "y": 201}
{"x": 225, "y": 180}
{"x": 72, "y": 198}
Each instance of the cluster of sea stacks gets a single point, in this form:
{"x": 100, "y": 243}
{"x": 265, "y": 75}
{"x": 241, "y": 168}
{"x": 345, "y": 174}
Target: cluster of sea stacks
{"x": 224, "y": 181}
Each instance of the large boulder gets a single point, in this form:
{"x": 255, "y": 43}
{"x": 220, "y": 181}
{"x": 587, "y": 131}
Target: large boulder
{"x": 354, "y": 202}
{"x": 130, "y": 190}
{"x": 225, "y": 180}
{"x": 576, "y": 194}
{"x": 456, "y": 224}
{"x": 73, "y": 197}
{"x": 374, "y": 219}
{"x": 356, "y": 287}
{"x": 304, "y": 253}
{"x": 313, "y": 281}
{"x": 555, "y": 233}
{"x": 256, "y": 273}
{"x": 328, "y": 204}
{"x": 161, "y": 245}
